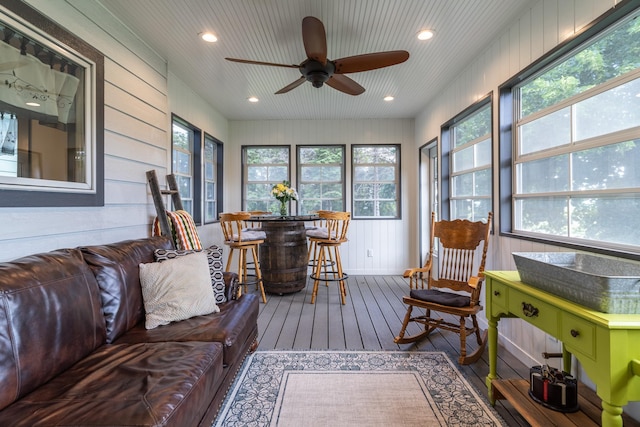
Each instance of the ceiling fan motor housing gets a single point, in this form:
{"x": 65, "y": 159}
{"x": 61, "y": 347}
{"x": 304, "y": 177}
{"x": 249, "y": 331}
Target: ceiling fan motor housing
{"x": 316, "y": 72}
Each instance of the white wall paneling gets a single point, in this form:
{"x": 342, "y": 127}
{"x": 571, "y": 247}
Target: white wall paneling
{"x": 386, "y": 238}
{"x": 538, "y": 30}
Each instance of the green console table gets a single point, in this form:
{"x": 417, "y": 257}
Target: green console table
{"x": 606, "y": 345}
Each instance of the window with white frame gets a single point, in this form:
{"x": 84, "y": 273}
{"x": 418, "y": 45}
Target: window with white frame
{"x": 470, "y": 169}
{"x": 263, "y": 167}
{"x": 376, "y": 181}
{"x": 182, "y": 137}
{"x": 51, "y": 114}
{"x": 577, "y": 144}
{"x": 198, "y": 170}
{"x": 321, "y": 178}
{"x": 210, "y": 164}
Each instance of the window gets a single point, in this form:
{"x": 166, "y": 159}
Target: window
{"x": 468, "y": 139}
{"x": 321, "y": 178}
{"x": 183, "y": 137}
{"x": 197, "y": 167}
{"x": 376, "y": 181}
{"x": 262, "y": 168}
{"x": 51, "y": 114}
{"x": 212, "y": 163}
{"x": 576, "y": 134}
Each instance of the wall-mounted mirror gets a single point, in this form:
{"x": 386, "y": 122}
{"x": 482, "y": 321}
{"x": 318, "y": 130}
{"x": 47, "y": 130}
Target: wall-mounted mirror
{"x": 51, "y": 113}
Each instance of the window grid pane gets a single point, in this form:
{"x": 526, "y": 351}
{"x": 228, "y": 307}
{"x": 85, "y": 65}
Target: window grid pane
{"x": 320, "y": 178}
{"x": 210, "y": 173}
{"x": 376, "y": 181}
{"x": 471, "y": 166}
{"x": 263, "y": 168}
{"x": 575, "y": 174}
{"x": 182, "y": 143}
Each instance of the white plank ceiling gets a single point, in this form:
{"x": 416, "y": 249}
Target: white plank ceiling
{"x": 270, "y": 31}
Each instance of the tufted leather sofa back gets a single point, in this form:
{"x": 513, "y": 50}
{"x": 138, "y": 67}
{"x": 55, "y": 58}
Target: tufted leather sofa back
{"x": 50, "y": 318}
{"x": 116, "y": 268}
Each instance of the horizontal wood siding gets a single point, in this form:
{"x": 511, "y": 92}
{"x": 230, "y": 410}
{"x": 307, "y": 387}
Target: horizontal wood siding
{"x": 136, "y": 139}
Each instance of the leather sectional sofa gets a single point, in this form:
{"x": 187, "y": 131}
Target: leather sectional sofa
{"x": 74, "y": 350}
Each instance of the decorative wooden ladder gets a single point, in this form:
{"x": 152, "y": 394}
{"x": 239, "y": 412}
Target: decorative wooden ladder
{"x": 158, "y": 201}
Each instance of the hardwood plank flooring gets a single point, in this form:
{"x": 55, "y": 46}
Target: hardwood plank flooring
{"x": 370, "y": 320}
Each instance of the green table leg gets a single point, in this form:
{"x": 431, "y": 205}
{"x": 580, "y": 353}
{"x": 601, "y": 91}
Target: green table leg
{"x": 493, "y": 356}
{"x": 566, "y": 360}
{"x": 611, "y": 415}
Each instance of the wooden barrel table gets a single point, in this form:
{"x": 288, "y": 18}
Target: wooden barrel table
{"x": 283, "y": 255}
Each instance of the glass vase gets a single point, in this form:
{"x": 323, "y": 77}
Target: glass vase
{"x": 283, "y": 208}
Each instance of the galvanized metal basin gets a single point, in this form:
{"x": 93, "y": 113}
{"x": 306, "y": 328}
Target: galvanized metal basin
{"x": 602, "y": 283}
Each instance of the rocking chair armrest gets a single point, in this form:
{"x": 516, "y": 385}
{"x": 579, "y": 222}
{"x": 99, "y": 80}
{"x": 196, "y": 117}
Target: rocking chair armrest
{"x": 410, "y": 272}
{"x": 474, "y": 281}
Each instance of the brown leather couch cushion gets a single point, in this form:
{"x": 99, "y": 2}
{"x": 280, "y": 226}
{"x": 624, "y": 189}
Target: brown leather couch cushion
{"x": 50, "y": 318}
{"x": 149, "y": 384}
{"x": 116, "y": 267}
{"x": 232, "y": 327}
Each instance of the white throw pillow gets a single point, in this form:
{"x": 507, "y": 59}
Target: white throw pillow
{"x": 177, "y": 289}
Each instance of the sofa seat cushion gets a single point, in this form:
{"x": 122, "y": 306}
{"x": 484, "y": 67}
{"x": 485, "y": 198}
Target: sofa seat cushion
{"x": 147, "y": 384}
{"x": 232, "y": 326}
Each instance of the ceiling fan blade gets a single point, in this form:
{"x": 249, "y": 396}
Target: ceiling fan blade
{"x": 369, "y": 61}
{"x": 314, "y": 38}
{"x": 272, "y": 64}
{"x": 345, "y": 84}
{"x": 290, "y": 86}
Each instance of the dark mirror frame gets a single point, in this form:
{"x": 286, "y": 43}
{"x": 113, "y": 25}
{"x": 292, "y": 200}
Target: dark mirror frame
{"x": 43, "y": 197}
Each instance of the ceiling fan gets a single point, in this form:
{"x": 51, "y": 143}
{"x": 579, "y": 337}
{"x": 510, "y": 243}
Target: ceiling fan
{"x": 319, "y": 70}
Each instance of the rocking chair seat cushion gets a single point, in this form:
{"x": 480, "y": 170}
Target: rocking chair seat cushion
{"x": 439, "y": 297}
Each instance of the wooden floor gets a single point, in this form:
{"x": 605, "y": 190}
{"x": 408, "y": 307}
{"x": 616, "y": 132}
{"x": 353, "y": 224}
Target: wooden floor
{"x": 370, "y": 320}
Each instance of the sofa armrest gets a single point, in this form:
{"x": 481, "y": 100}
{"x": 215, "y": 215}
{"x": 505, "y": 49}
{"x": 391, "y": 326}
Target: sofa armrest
{"x": 231, "y": 284}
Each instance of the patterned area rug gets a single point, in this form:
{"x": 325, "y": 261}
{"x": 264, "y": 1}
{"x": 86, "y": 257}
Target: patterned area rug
{"x": 353, "y": 388}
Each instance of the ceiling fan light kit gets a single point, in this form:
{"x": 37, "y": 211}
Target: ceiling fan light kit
{"x": 319, "y": 70}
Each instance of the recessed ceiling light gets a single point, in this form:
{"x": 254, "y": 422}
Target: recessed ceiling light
{"x": 209, "y": 37}
{"x": 33, "y": 104}
{"x": 425, "y": 34}
{"x": 253, "y": 99}
{"x": 388, "y": 98}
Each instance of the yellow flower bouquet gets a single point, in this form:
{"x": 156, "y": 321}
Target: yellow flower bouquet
{"x": 284, "y": 193}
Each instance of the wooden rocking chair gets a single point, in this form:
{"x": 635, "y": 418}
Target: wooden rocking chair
{"x": 460, "y": 244}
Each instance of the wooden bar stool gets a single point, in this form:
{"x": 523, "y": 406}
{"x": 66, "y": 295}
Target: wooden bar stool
{"x": 252, "y": 224}
{"x": 316, "y": 228}
{"x": 243, "y": 240}
{"x": 327, "y": 262}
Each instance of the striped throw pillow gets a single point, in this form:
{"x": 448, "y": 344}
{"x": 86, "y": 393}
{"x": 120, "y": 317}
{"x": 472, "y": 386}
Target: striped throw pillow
{"x": 183, "y": 230}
